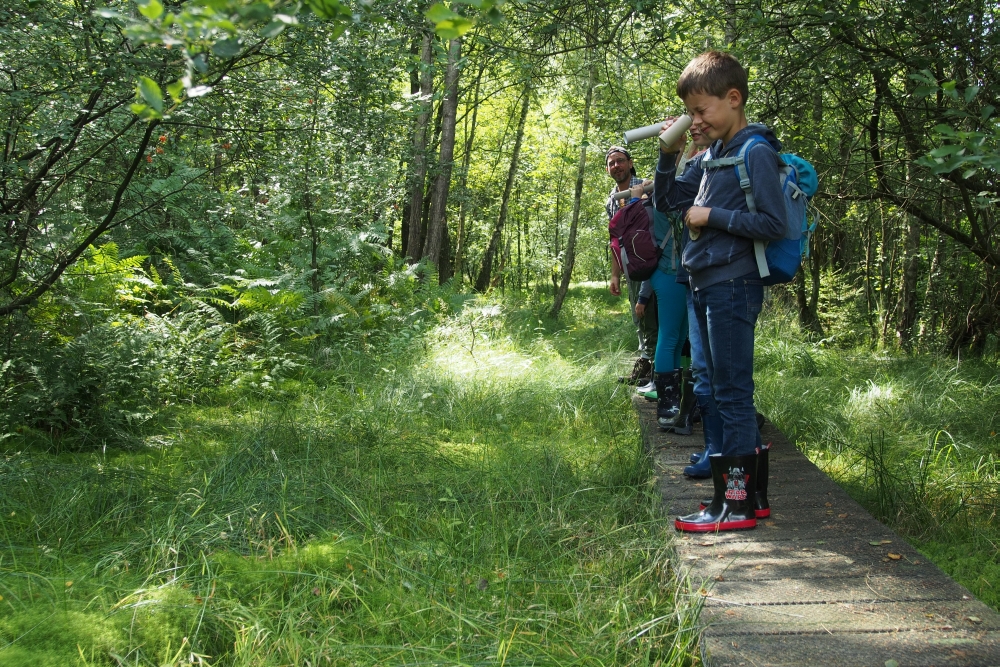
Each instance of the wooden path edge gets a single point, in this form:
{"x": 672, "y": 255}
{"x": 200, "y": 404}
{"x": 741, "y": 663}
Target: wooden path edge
{"x": 820, "y": 582}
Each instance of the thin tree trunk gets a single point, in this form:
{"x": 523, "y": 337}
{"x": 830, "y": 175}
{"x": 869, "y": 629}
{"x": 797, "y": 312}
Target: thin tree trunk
{"x": 570, "y": 257}
{"x": 463, "y": 186}
{"x": 908, "y": 287}
{"x": 404, "y": 232}
{"x": 483, "y": 280}
{"x": 414, "y": 244}
{"x": 308, "y": 200}
{"x": 438, "y": 225}
{"x": 929, "y": 292}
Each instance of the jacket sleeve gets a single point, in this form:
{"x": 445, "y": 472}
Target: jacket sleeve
{"x": 645, "y": 292}
{"x": 768, "y": 223}
{"x": 673, "y": 193}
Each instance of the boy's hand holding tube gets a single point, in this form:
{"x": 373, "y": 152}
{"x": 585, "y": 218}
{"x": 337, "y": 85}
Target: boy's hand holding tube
{"x": 695, "y": 218}
{"x": 677, "y": 146}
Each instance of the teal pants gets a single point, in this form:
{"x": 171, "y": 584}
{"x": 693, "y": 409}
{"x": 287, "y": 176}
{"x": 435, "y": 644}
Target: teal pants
{"x": 671, "y": 306}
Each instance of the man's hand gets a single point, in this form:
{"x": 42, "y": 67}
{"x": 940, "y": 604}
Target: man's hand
{"x": 640, "y": 309}
{"x": 616, "y": 286}
{"x": 679, "y": 144}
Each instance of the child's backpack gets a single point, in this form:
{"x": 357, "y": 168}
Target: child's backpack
{"x": 632, "y": 242}
{"x": 779, "y": 261}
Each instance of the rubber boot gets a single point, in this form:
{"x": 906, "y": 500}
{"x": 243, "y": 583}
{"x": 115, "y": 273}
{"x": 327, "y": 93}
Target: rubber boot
{"x": 732, "y": 506}
{"x": 667, "y": 397}
{"x": 684, "y": 422}
{"x": 762, "y": 509}
{"x": 712, "y": 422}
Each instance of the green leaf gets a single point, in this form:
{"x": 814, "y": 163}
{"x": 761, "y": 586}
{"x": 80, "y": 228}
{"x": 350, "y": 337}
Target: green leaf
{"x": 438, "y": 13}
{"x": 227, "y": 48}
{"x": 200, "y": 62}
{"x": 258, "y": 11}
{"x": 987, "y": 111}
{"x": 969, "y": 173}
{"x": 176, "y": 90}
{"x": 214, "y": 5}
{"x": 328, "y": 9}
{"x": 920, "y": 92}
{"x": 272, "y": 29}
{"x": 151, "y": 10}
{"x": 453, "y": 28}
{"x": 150, "y": 92}
{"x": 945, "y": 151}
{"x": 970, "y": 93}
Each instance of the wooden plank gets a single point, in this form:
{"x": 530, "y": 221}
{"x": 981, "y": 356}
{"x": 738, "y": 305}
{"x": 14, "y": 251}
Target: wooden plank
{"x": 814, "y": 583}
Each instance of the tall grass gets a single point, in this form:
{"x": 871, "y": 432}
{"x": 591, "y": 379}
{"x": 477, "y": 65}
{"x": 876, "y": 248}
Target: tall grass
{"x": 477, "y": 496}
{"x": 913, "y": 438}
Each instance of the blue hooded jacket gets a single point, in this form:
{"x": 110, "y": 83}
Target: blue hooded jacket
{"x": 724, "y": 250}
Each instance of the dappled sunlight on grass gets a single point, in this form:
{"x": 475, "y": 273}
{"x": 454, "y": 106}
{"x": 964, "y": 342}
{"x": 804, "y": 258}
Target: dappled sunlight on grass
{"x": 913, "y": 438}
{"x": 440, "y": 505}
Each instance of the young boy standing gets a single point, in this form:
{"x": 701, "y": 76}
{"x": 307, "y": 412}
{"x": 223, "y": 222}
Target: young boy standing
{"x": 726, "y": 286}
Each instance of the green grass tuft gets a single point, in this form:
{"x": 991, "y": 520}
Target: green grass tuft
{"x": 478, "y": 496}
{"x": 913, "y": 438}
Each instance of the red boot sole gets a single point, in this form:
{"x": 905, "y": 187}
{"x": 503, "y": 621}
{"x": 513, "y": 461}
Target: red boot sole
{"x": 689, "y": 527}
{"x": 760, "y": 514}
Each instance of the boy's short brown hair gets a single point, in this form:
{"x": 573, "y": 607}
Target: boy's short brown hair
{"x": 713, "y": 73}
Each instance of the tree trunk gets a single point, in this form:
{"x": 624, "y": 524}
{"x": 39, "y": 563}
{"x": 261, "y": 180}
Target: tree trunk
{"x": 438, "y": 226}
{"x": 464, "y": 179}
{"x": 404, "y": 231}
{"x": 414, "y": 244}
{"x": 908, "y": 287}
{"x": 929, "y": 307}
{"x": 483, "y": 280}
{"x": 570, "y": 257}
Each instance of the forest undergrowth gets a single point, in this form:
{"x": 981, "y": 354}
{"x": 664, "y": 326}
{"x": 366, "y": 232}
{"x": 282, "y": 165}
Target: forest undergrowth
{"x": 914, "y": 438}
{"x": 475, "y": 493}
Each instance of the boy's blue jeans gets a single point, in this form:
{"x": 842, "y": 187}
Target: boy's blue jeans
{"x": 702, "y": 387}
{"x": 727, "y": 314}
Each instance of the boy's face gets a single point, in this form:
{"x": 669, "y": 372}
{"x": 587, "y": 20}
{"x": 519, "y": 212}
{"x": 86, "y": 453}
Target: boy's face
{"x": 715, "y": 117}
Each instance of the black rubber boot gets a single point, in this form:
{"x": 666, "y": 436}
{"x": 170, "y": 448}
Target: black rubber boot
{"x": 684, "y": 422}
{"x": 732, "y": 506}
{"x": 761, "y": 507}
{"x": 667, "y": 398}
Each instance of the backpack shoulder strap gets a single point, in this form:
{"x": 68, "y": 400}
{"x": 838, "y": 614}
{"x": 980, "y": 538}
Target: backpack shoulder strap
{"x": 739, "y": 162}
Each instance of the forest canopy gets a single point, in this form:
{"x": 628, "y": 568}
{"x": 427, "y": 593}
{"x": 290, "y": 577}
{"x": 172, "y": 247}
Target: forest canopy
{"x": 204, "y": 194}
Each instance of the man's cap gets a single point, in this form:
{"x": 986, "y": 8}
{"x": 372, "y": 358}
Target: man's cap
{"x": 617, "y": 149}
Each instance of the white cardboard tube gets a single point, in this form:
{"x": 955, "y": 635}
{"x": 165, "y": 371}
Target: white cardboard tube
{"x": 625, "y": 194}
{"x": 680, "y": 126}
{"x": 641, "y": 133}
{"x": 674, "y": 132}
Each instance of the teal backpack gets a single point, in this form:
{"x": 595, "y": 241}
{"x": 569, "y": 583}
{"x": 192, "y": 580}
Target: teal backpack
{"x": 779, "y": 261}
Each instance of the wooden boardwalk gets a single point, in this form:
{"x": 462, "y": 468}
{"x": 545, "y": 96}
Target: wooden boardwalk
{"x": 821, "y": 582}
